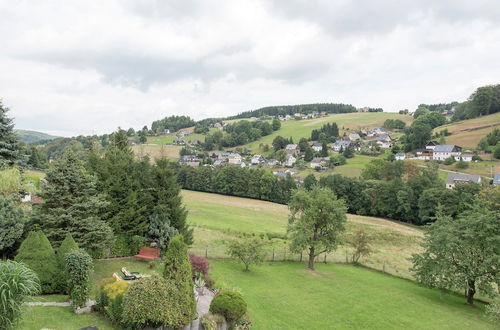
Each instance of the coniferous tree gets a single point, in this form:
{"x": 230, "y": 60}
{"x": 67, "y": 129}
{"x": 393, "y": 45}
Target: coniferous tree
{"x": 66, "y": 247}
{"x": 11, "y": 224}
{"x": 71, "y": 204}
{"x": 160, "y": 231}
{"x": 10, "y": 149}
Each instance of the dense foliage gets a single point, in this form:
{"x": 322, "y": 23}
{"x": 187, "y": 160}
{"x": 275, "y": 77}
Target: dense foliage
{"x": 17, "y": 282}
{"x": 327, "y": 132}
{"x": 72, "y": 204}
{"x": 11, "y": 152}
{"x": 199, "y": 265}
{"x": 463, "y": 253}
{"x": 37, "y": 253}
{"x": 172, "y": 123}
{"x": 484, "y": 101}
{"x": 284, "y": 110}
{"x": 317, "y": 221}
{"x": 80, "y": 267}
{"x": 230, "y": 304}
{"x": 68, "y": 245}
{"x": 394, "y": 124}
{"x": 12, "y": 223}
{"x": 110, "y": 298}
{"x": 420, "y": 131}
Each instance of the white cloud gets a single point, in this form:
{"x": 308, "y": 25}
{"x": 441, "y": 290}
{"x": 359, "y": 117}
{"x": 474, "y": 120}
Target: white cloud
{"x": 88, "y": 67}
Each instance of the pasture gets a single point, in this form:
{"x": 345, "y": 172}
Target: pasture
{"x": 157, "y": 151}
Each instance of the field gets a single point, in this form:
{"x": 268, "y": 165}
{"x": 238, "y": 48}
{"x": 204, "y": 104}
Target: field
{"x": 468, "y": 133}
{"x": 287, "y": 296}
{"x": 157, "y": 151}
{"x": 217, "y": 218}
{"x": 302, "y": 128}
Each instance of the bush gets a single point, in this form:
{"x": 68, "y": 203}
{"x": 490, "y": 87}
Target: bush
{"x": 37, "y": 253}
{"x": 449, "y": 161}
{"x": 112, "y": 292}
{"x": 211, "y": 321}
{"x": 127, "y": 246}
{"x": 230, "y": 304}
{"x": 152, "y": 302}
{"x": 67, "y": 245}
{"x": 16, "y": 283}
{"x": 493, "y": 311}
{"x": 461, "y": 165}
{"x": 198, "y": 265}
{"x": 79, "y": 265}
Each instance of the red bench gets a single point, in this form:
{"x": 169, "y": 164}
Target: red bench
{"x": 148, "y": 253}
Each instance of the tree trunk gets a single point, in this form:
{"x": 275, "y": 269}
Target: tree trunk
{"x": 471, "y": 291}
{"x": 310, "y": 265}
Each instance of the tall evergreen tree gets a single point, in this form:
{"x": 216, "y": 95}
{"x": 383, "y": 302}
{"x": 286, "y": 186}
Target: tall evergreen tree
{"x": 11, "y": 224}
{"x": 10, "y": 149}
{"x": 71, "y": 204}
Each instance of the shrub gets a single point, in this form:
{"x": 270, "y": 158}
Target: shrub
{"x": 230, "y": 304}
{"x": 113, "y": 293}
{"x": 151, "y": 302}
{"x": 178, "y": 274}
{"x": 211, "y": 321}
{"x": 102, "y": 299}
{"x": 493, "y": 311}
{"x": 198, "y": 265}
{"x": 80, "y": 267}
{"x": 449, "y": 161}
{"x": 247, "y": 251}
{"x": 67, "y": 245}
{"x": 16, "y": 283}
{"x": 127, "y": 246}
{"x": 37, "y": 253}
{"x": 461, "y": 165}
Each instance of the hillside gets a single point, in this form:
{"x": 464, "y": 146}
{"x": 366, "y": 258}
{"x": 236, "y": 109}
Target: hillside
{"x": 346, "y": 121}
{"x": 33, "y": 136}
{"x": 468, "y": 133}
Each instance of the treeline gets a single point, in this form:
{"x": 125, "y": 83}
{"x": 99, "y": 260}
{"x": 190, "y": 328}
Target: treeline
{"x": 284, "y": 110}
{"x": 239, "y": 133}
{"x": 326, "y": 132}
{"x": 395, "y": 190}
{"x": 439, "y": 107}
{"x": 394, "y": 124}
{"x": 420, "y": 132}
{"x": 484, "y": 101}
{"x": 172, "y": 123}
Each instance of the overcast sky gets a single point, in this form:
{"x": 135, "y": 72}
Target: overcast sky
{"x": 83, "y": 67}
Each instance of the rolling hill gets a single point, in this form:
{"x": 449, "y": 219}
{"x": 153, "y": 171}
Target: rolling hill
{"x": 29, "y": 137}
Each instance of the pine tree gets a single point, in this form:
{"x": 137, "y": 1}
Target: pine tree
{"x": 11, "y": 224}
{"x": 37, "y": 253}
{"x": 10, "y": 149}
{"x": 160, "y": 231}
{"x": 178, "y": 273}
{"x": 71, "y": 204}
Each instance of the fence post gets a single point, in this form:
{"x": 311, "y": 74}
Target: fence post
{"x": 300, "y": 256}
{"x": 273, "y": 254}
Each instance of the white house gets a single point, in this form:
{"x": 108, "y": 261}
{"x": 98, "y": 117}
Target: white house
{"x": 454, "y": 179}
{"x": 234, "y": 158}
{"x": 400, "y": 156}
{"x": 292, "y": 149}
{"x": 443, "y": 151}
{"x": 257, "y": 159}
{"x": 384, "y": 144}
{"x": 319, "y": 162}
{"x": 290, "y": 160}
{"x": 466, "y": 157}
{"x": 316, "y": 146}
{"x": 341, "y": 144}
{"x": 431, "y": 145}
{"x": 354, "y": 137}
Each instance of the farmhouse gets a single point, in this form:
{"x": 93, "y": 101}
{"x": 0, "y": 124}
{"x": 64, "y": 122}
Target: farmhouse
{"x": 273, "y": 162}
{"x": 317, "y": 146}
{"x": 454, "y": 179}
{"x": 234, "y": 158}
{"x": 341, "y": 145}
{"x": 290, "y": 160}
{"x": 400, "y": 156}
{"x": 292, "y": 149}
{"x": 443, "y": 151}
{"x": 257, "y": 159}
{"x": 467, "y": 157}
{"x": 182, "y": 133}
{"x": 319, "y": 162}
{"x": 431, "y": 145}
{"x": 190, "y": 160}
{"x": 354, "y": 137}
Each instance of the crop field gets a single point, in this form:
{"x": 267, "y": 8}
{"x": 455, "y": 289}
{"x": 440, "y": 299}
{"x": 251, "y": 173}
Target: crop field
{"x": 217, "y": 218}
{"x": 287, "y": 296}
{"x": 352, "y": 121}
{"x": 468, "y": 133}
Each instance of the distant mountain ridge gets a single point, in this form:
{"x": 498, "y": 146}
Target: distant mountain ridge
{"x": 28, "y": 136}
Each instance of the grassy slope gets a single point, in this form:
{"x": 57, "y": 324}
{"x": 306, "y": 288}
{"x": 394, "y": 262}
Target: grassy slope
{"x": 462, "y": 134}
{"x": 302, "y": 128}
{"x": 217, "y": 218}
{"x": 32, "y": 136}
{"x": 286, "y": 296}
{"x": 156, "y": 151}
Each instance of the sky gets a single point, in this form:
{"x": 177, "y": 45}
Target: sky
{"x": 89, "y": 67}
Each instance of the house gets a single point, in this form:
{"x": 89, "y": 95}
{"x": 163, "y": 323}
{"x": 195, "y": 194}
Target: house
{"x": 290, "y": 160}
{"x": 291, "y": 171}
{"x": 341, "y": 145}
{"x": 316, "y": 146}
{"x": 422, "y": 154}
{"x": 431, "y": 145}
{"x": 218, "y": 126}
{"x": 384, "y": 144}
{"x": 220, "y": 155}
{"x": 384, "y": 138}
{"x": 496, "y": 180}
{"x": 257, "y": 159}
{"x": 319, "y": 162}
{"x": 182, "y": 133}
{"x": 467, "y": 157}
{"x": 400, "y": 156}
{"x": 454, "y": 179}
{"x": 273, "y": 162}
{"x": 234, "y": 158}
{"x": 190, "y": 160}
{"x": 292, "y": 149}
{"x": 219, "y": 162}
{"x": 354, "y": 137}
{"x": 280, "y": 174}
{"x": 443, "y": 151}
{"x": 376, "y": 132}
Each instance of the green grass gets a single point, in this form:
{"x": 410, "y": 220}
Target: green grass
{"x": 302, "y": 128}
{"x": 166, "y": 139}
{"x": 50, "y": 298}
{"x": 106, "y": 268}
{"x": 287, "y": 296}
{"x": 60, "y": 318}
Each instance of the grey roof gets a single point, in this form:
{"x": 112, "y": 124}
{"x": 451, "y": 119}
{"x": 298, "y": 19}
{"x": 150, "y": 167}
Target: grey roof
{"x": 291, "y": 146}
{"x": 496, "y": 179}
{"x": 446, "y": 148}
{"x": 452, "y": 178}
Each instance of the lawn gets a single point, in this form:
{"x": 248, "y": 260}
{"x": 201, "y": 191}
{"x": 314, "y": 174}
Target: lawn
{"x": 218, "y": 218}
{"x": 468, "y": 133}
{"x": 302, "y": 128}
{"x": 287, "y": 296}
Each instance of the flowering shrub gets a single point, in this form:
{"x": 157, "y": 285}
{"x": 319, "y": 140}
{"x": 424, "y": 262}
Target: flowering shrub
{"x": 199, "y": 264}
